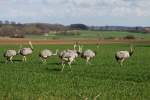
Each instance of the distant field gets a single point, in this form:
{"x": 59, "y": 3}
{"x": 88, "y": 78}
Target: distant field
{"x": 91, "y": 34}
{"x": 32, "y": 80}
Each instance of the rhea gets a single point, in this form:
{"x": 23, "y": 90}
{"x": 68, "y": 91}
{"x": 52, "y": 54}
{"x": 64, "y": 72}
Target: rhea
{"x": 9, "y": 54}
{"x": 87, "y": 54}
{"x": 46, "y": 53}
{"x": 121, "y": 56}
{"x": 26, "y": 51}
{"x": 68, "y": 56}
{"x": 71, "y": 51}
{"x": 74, "y": 50}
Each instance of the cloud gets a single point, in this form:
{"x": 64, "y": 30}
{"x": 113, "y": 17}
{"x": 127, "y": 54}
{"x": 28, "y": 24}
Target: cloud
{"x": 73, "y": 10}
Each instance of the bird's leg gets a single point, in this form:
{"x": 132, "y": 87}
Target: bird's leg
{"x": 63, "y": 65}
{"x": 11, "y": 59}
{"x": 7, "y": 59}
{"x": 74, "y": 60}
{"x": 87, "y": 60}
{"x": 90, "y": 63}
{"x": 25, "y": 58}
{"x": 44, "y": 61}
{"x": 121, "y": 62}
{"x": 41, "y": 59}
{"x": 69, "y": 63}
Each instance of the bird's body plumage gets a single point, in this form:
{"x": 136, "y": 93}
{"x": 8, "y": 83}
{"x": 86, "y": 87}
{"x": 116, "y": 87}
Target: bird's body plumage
{"x": 123, "y": 55}
{"x": 88, "y": 54}
{"x": 44, "y": 54}
{"x": 9, "y": 54}
{"x": 72, "y": 53}
{"x": 68, "y": 56}
{"x": 26, "y": 51}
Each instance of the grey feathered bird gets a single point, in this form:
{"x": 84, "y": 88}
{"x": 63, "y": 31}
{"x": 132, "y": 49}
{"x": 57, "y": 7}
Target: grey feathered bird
{"x": 26, "y": 51}
{"x": 62, "y": 53}
{"x": 44, "y": 54}
{"x": 68, "y": 56}
{"x": 123, "y": 55}
{"x": 74, "y": 51}
{"x": 9, "y": 54}
{"x": 87, "y": 54}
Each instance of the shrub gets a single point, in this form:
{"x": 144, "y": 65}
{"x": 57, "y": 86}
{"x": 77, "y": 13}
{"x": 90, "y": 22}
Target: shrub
{"x": 129, "y": 37}
{"x": 110, "y": 37}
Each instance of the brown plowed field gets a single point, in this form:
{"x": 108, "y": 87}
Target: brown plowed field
{"x": 90, "y": 41}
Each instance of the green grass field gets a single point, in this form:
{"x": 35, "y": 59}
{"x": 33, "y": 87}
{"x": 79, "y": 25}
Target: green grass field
{"x": 33, "y": 80}
{"x": 92, "y": 35}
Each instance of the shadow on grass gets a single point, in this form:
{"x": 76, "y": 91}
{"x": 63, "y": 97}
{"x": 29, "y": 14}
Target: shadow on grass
{"x": 53, "y": 69}
{"x": 143, "y": 46}
{"x": 4, "y": 62}
{"x": 59, "y": 63}
{"x": 53, "y": 63}
{"x": 17, "y": 60}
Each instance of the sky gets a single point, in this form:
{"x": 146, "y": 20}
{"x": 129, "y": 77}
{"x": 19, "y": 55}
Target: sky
{"x": 89, "y": 12}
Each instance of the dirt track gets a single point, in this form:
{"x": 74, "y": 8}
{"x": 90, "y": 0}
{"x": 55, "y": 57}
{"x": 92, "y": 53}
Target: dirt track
{"x": 38, "y": 42}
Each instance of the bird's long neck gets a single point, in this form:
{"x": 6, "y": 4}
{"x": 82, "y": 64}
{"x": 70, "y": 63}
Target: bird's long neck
{"x": 131, "y": 51}
{"x": 74, "y": 46}
{"x": 18, "y": 52}
{"x": 31, "y": 46}
{"x": 79, "y": 50}
{"x": 55, "y": 53}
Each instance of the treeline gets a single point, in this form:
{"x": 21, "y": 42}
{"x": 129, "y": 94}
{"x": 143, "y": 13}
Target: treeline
{"x": 19, "y": 30}
{"x": 121, "y": 28}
